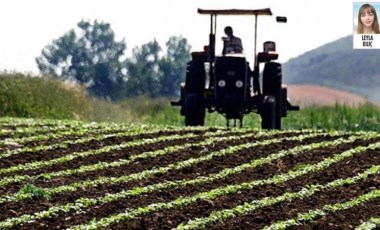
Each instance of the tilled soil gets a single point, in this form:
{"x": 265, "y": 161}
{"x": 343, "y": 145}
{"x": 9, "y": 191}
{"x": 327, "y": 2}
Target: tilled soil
{"x": 170, "y": 218}
{"x": 187, "y": 173}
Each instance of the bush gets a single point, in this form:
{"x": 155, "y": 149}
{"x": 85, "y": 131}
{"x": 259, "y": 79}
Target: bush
{"x": 42, "y": 97}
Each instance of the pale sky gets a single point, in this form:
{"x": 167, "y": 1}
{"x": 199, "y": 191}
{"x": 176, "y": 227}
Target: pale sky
{"x": 29, "y": 25}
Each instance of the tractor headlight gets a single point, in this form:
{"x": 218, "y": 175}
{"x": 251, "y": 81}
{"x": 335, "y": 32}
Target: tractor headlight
{"x": 221, "y": 83}
{"x": 239, "y": 83}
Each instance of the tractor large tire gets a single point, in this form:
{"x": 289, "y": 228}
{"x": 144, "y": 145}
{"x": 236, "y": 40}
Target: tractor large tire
{"x": 195, "y": 78}
{"x": 194, "y": 110}
{"x": 268, "y": 113}
{"x": 272, "y": 85}
{"x": 284, "y": 98}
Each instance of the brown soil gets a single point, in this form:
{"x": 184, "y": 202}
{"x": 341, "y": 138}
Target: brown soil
{"x": 167, "y": 219}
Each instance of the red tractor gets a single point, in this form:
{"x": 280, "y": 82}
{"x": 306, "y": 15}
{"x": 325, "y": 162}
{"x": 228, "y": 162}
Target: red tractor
{"x": 227, "y": 85}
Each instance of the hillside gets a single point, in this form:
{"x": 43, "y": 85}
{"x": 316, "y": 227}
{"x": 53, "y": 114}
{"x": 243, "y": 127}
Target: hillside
{"x": 308, "y": 95}
{"x": 338, "y": 65}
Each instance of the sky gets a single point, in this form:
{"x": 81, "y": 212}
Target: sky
{"x": 30, "y": 25}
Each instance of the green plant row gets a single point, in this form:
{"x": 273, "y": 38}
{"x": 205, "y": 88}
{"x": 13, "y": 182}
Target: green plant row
{"x": 105, "y": 165}
{"x": 372, "y": 223}
{"x": 77, "y": 131}
{"x": 212, "y": 177}
{"x": 121, "y": 162}
{"x": 15, "y": 121}
{"x": 72, "y": 156}
{"x": 229, "y": 189}
{"x": 120, "y": 132}
{"x": 82, "y": 203}
{"x": 35, "y": 125}
{"x": 63, "y": 144}
{"x": 18, "y": 141}
{"x": 222, "y": 174}
{"x": 31, "y": 122}
{"x": 32, "y": 126}
{"x": 326, "y": 210}
{"x": 86, "y": 202}
{"x": 307, "y": 191}
{"x": 31, "y": 130}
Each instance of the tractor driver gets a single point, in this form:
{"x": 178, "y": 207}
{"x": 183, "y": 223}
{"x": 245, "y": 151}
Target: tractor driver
{"x": 231, "y": 43}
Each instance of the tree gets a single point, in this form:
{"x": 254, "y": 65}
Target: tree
{"x": 143, "y": 71}
{"x": 92, "y": 58}
{"x": 173, "y": 65}
{"x": 152, "y": 74}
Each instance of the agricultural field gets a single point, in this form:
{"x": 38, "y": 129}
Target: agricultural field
{"x": 75, "y": 175}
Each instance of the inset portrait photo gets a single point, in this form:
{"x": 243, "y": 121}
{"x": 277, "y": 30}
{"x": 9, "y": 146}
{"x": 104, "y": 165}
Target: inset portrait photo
{"x": 366, "y": 25}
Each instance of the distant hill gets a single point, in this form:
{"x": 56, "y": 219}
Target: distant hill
{"x": 309, "y": 95}
{"x": 337, "y": 65}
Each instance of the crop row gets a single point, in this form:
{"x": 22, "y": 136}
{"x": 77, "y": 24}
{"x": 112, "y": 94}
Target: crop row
{"x": 123, "y": 162}
{"x": 174, "y": 166}
{"x": 66, "y": 143}
{"x": 120, "y": 177}
{"x": 85, "y": 202}
{"x": 180, "y": 165}
{"x": 71, "y": 156}
{"x": 307, "y": 191}
{"x": 331, "y": 208}
{"x": 372, "y": 223}
{"x": 77, "y": 132}
{"x": 230, "y": 189}
{"x": 90, "y": 135}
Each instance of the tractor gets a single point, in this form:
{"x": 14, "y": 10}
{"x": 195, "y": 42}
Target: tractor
{"x": 226, "y": 84}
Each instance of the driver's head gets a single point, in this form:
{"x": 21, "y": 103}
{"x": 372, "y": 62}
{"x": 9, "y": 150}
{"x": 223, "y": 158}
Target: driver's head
{"x": 228, "y": 31}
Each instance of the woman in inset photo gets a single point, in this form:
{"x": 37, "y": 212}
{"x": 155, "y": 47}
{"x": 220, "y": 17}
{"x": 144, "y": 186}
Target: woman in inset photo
{"x": 367, "y": 20}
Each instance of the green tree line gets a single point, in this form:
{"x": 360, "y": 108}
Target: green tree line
{"x": 92, "y": 57}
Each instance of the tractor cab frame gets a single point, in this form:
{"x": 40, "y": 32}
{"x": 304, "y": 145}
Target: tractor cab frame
{"x": 227, "y": 85}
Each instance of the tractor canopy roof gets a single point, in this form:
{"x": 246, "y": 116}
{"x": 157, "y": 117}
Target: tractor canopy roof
{"x": 265, "y": 11}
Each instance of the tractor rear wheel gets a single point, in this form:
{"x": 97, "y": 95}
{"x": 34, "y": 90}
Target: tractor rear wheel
{"x": 284, "y": 98}
{"x": 272, "y": 85}
{"x": 268, "y": 113}
{"x": 194, "y": 110}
